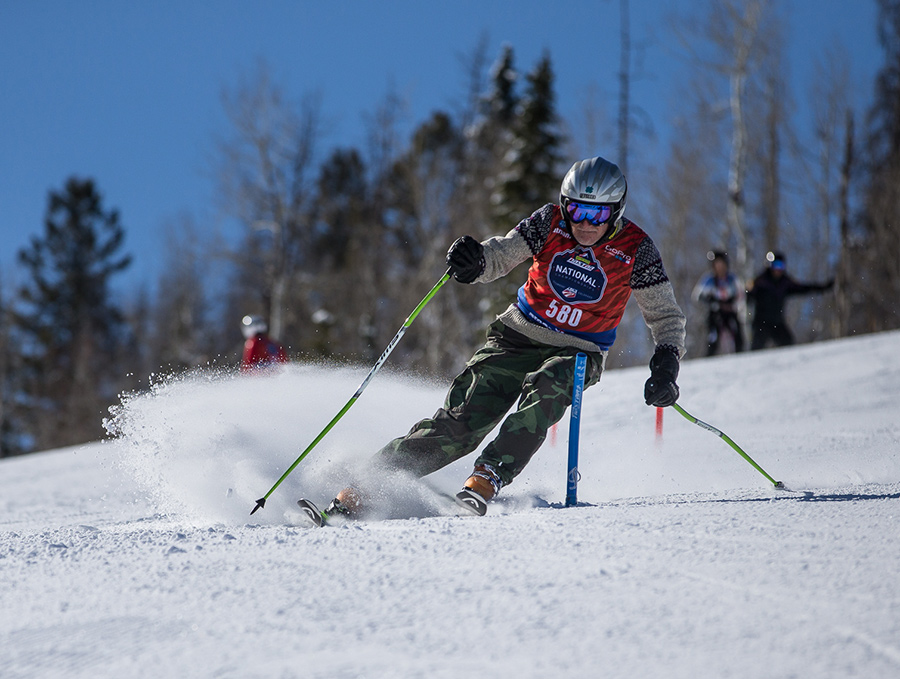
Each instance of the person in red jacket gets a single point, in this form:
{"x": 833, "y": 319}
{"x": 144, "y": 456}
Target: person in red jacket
{"x": 260, "y": 350}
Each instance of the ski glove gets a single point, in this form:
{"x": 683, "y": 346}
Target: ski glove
{"x": 466, "y": 259}
{"x": 660, "y": 390}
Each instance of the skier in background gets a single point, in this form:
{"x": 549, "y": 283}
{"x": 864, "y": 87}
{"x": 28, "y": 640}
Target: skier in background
{"x": 587, "y": 260}
{"x": 768, "y": 291}
{"x": 260, "y": 350}
{"x": 721, "y": 292}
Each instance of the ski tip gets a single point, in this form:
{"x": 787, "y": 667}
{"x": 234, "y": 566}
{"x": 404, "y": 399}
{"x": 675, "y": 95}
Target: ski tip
{"x": 260, "y": 503}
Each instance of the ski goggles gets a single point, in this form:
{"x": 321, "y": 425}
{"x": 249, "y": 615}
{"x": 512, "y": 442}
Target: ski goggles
{"x": 595, "y": 214}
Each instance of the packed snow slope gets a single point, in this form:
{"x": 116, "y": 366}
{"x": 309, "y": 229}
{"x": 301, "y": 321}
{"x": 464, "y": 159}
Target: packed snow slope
{"x": 138, "y": 557}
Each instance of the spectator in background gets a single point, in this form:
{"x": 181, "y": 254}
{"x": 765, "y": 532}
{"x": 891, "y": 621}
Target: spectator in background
{"x": 260, "y": 351}
{"x": 768, "y": 292}
{"x": 720, "y": 291}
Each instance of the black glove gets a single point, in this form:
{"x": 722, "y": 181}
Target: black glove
{"x": 466, "y": 259}
{"x": 660, "y": 390}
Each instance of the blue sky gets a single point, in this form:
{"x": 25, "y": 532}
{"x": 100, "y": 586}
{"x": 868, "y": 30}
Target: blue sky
{"x": 129, "y": 93}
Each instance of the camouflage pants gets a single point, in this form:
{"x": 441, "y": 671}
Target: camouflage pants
{"x": 509, "y": 367}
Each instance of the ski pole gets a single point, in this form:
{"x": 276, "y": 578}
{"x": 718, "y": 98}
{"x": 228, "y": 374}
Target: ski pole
{"x": 572, "y": 477}
{"x": 723, "y": 436}
{"x": 261, "y": 502}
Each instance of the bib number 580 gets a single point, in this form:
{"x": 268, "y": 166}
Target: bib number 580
{"x": 563, "y": 313}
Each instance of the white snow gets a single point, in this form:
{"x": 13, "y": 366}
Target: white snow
{"x": 138, "y": 557}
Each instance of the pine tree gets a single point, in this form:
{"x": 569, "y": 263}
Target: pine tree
{"x": 531, "y": 173}
{"x": 10, "y": 434}
{"x": 531, "y": 168}
{"x": 344, "y": 292}
{"x": 491, "y": 139}
{"x": 503, "y": 99}
{"x": 70, "y": 329}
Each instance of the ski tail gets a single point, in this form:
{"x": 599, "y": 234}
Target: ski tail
{"x": 472, "y": 501}
{"x": 313, "y": 513}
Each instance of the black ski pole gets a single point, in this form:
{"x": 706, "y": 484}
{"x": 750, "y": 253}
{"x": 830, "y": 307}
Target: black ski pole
{"x": 724, "y": 437}
{"x": 261, "y": 502}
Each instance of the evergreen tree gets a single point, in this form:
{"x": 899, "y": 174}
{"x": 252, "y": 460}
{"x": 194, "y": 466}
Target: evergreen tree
{"x": 10, "y": 431}
{"x": 531, "y": 169}
{"x": 531, "y": 172}
{"x": 343, "y": 293}
{"x": 490, "y": 140}
{"x": 341, "y": 202}
{"x": 502, "y": 101}
{"x": 70, "y": 329}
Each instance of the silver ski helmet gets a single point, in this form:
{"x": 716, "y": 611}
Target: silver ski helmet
{"x": 595, "y": 181}
{"x": 251, "y": 326}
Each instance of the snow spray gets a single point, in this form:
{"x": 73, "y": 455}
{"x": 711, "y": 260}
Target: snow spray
{"x": 261, "y": 502}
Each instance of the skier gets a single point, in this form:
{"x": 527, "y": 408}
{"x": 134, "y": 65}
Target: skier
{"x": 260, "y": 350}
{"x": 587, "y": 260}
{"x": 769, "y": 290}
{"x": 721, "y": 292}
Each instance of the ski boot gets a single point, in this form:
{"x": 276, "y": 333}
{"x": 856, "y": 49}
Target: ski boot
{"x": 479, "y": 489}
{"x": 347, "y": 505}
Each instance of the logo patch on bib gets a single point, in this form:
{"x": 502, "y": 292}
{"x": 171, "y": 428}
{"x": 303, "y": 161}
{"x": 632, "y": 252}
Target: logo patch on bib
{"x": 576, "y": 277}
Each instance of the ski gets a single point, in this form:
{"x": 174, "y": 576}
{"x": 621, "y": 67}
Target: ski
{"x": 471, "y": 501}
{"x": 313, "y": 513}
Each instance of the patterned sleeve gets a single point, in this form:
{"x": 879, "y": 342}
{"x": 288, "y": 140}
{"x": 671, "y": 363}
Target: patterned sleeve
{"x": 648, "y": 267}
{"x": 536, "y": 228}
{"x": 504, "y": 253}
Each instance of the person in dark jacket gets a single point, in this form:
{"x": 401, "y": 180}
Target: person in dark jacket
{"x": 768, "y": 291}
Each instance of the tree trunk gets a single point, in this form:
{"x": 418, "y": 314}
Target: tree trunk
{"x": 624, "y": 85}
{"x": 842, "y": 280}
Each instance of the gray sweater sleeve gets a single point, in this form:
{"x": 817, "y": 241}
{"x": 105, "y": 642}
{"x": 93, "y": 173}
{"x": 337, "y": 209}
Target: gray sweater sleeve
{"x": 656, "y": 299}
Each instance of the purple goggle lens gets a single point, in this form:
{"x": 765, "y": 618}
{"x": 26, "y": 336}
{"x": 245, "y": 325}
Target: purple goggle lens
{"x": 595, "y": 214}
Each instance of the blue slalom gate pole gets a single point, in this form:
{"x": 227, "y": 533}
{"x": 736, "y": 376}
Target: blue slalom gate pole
{"x": 573, "y": 476}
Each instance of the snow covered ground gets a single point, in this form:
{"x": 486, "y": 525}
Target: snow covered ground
{"x": 138, "y": 557}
